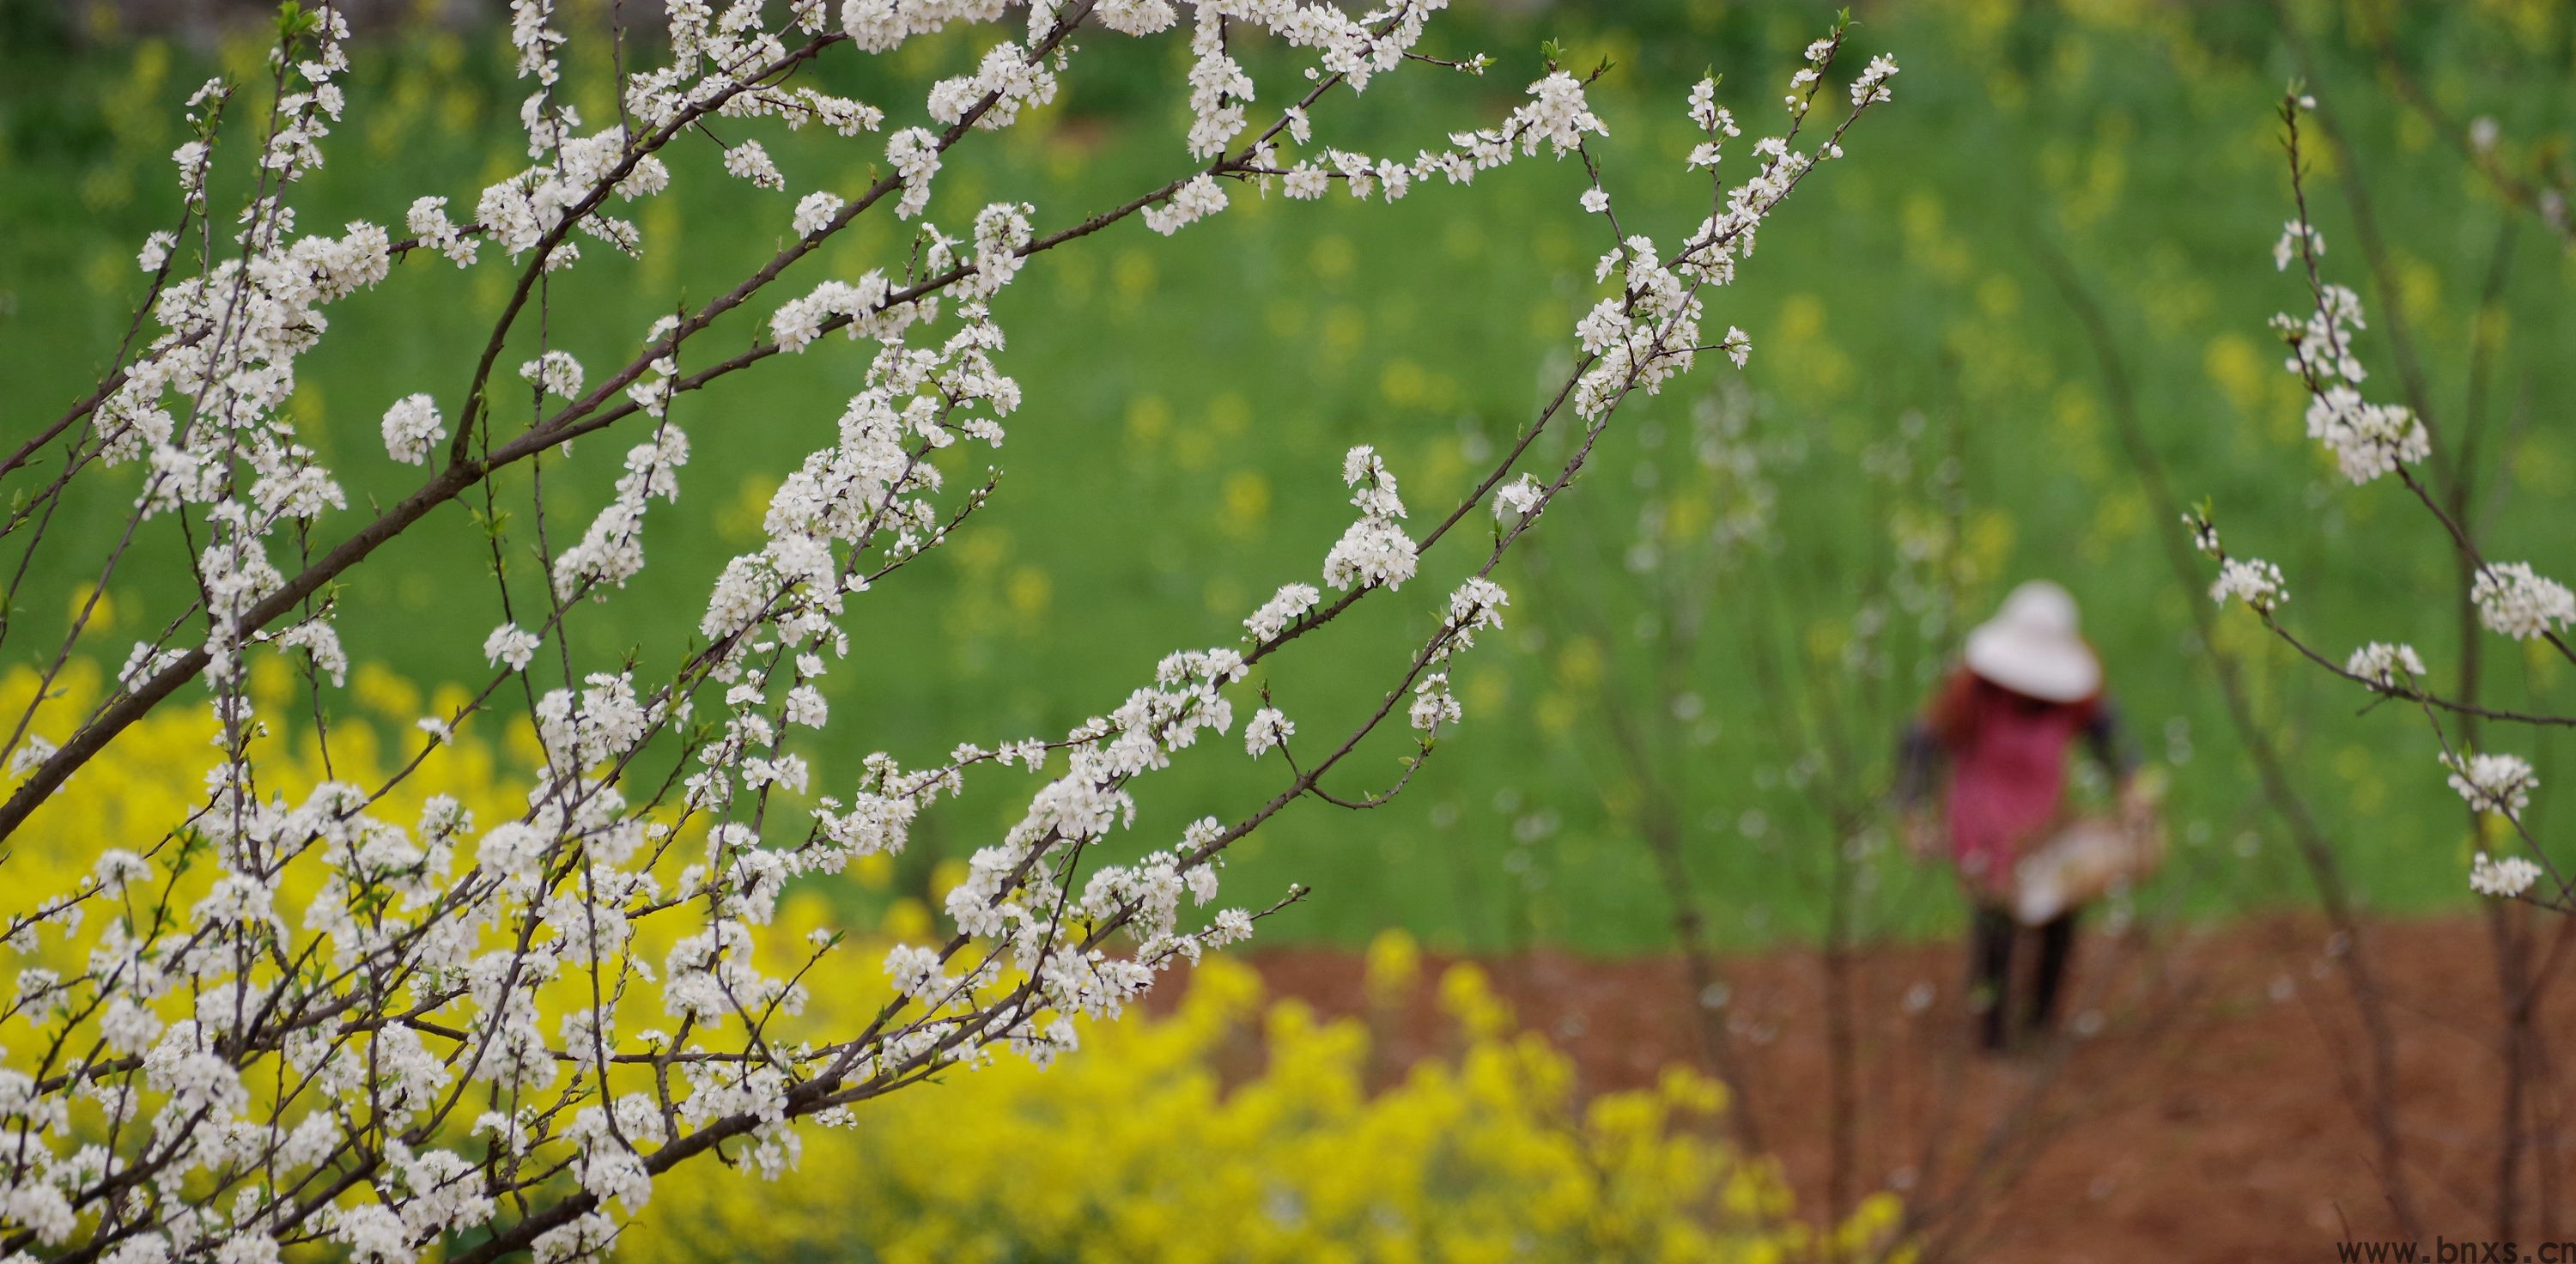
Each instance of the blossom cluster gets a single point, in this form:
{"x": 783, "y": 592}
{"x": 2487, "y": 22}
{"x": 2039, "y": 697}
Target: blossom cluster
{"x": 2388, "y": 666}
{"x": 2366, "y": 439}
{"x": 2501, "y": 784}
{"x": 2504, "y": 878}
{"x": 2514, "y": 602}
{"x": 352, "y": 1018}
{"x": 2253, "y": 581}
{"x": 2369, "y": 441}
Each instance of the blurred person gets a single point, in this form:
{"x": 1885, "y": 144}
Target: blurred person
{"x": 1992, "y": 744}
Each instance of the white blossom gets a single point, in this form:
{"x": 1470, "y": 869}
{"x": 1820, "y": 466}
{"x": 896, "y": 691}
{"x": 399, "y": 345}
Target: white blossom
{"x": 1518, "y": 499}
{"x": 556, "y": 372}
{"x": 748, "y": 161}
{"x": 1268, "y": 727}
{"x": 1433, "y": 704}
{"x": 2493, "y": 783}
{"x": 2387, "y": 666}
{"x": 412, "y": 427}
{"x": 1374, "y": 551}
{"x": 815, "y": 211}
{"x": 510, "y": 646}
{"x": 2504, "y": 878}
{"x": 914, "y": 152}
{"x": 2513, "y": 601}
{"x": 1284, "y": 607}
{"x": 2296, "y": 236}
{"x": 156, "y": 251}
{"x": 1194, "y": 201}
{"x": 1871, "y": 84}
{"x": 2253, "y": 581}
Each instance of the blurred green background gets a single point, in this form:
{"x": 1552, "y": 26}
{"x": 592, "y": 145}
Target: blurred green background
{"x": 1928, "y": 418}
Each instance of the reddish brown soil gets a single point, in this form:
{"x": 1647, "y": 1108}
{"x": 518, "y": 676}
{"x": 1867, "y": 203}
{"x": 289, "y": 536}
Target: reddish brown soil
{"x": 2211, "y": 1112}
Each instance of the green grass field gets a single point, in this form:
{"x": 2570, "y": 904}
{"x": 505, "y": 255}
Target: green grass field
{"x": 1189, "y": 401}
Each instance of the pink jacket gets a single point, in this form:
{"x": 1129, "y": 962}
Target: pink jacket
{"x": 2007, "y": 760}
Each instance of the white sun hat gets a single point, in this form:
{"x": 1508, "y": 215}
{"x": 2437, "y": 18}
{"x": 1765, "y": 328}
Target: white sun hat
{"x": 2031, "y": 646}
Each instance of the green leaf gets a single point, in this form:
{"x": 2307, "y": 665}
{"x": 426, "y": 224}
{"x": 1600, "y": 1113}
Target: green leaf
{"x": 294, "y": 21}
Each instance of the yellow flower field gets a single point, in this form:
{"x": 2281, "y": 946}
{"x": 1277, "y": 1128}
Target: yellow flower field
{"x": 1230, "y": 1128}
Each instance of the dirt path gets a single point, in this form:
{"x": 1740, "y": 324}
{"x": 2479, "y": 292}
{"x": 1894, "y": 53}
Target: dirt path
{"x": 2203, "y": 1113}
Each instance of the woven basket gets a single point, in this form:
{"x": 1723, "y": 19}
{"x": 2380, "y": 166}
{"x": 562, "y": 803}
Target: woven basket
{"x": 2086, "y": 859}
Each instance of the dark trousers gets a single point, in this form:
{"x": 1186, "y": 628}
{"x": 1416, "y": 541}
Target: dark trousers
{"x": 1990, "y": 973}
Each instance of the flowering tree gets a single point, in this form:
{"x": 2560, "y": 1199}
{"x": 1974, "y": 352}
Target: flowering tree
{"x": 291, "y": 1019}
{"x": 2370, "y": 441}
